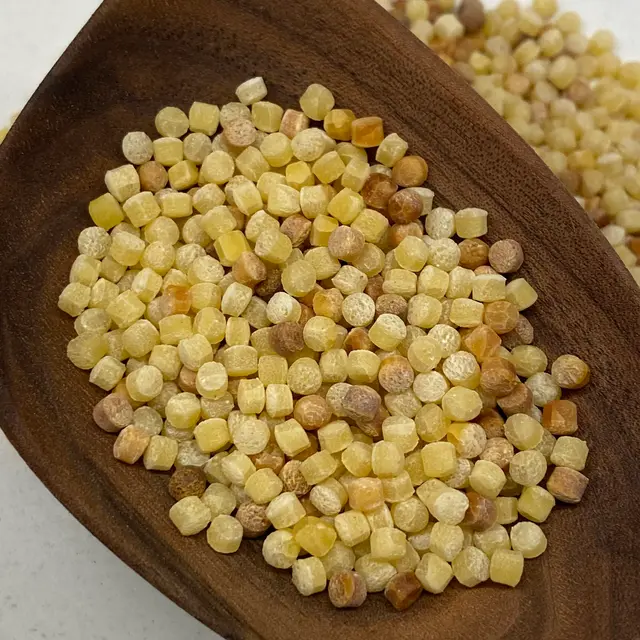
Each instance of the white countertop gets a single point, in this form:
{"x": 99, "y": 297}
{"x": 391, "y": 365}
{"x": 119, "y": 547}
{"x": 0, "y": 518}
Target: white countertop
{"x": 56, "y": 579}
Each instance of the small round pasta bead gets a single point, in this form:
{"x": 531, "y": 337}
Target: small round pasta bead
{"x": 335, "y": 436}
{"x": 401, "y": 431}
{"x": 445, "y": 504}
{"x": 75, "y": 298}
{"x": 440, "y": 224}
{"x": 194, "y": 351}
{"x": 282, "y": 307}
{"x": 468, "y": 438}
{"x": 434, "y": 573}
{"x": 466, "y": 313}
{"x": 528, "y": 360}
{"x": 498, "y": 450}
{"x": 190, "y": 515}
{"x": 473, "y": 253}
{"x": 182, "y": 410}
{"x": 334, "y": 366}
{"x": 94, "y": 242}
{"x": 439, "y": 459}
{"x": 376, "y": 573}
{"x": 400, "y": 282}
{"x": 506, "y": 256}
{"x": 362, "y": 366}
{"x": 412, "y": 253}
{"x": 352, "y": 527}
{"x": 522, "y": 431}
{"x": 263, "y": 486}
{"x": 225, "y": 534}
{"x": 518, "y": 401}
{"x": 424, "y": 354}
{"x": 370, "y": 260}
{"x": 340, "y": 558}
{"x": 280, "y": 550}
{"x": 350, "y": 280}
{"x": 395, "y": 374}
{"x": 447, "y": 338}
{"x": 144, "y": 384}
{"x": 304, "y": 376}
{"x": 461, "y": 281}
{"x": 461, "y": 404}
{"x": 308, "y": 576}
{"x": 320, "y": 333}
{"x": 107, "y": 373}
{"x": 153, "y": 175}
{"x": 462, "y": 369}
{"x": 471, "y": 567}
{"x": 424, "y": 311}
{"x": 358, "y": 309}
{"x": 535, "y": 503}
{"x": 212, "y": 435}
{"x": 404, "y": 403}
{"x": 430, "y": 387}
{"x": 506, "y": 567}
{"x": 446, "y": 540}
{"x": 570, "y": 372}
{"x": 356, "y": 458}
{"x": 444, "y": 254}
{"x": 347, "y": 589}
{"x": 498, "y": 377}
{"x": 410, "y": 515}
{"x": 380, "y": 517}
{"x": 431, "y": 423}
{"x": 567, "y": 485}
{"x": 433, "y": 282}
{"x": 328, "y": 497}
{"x": 471, "y": 223}
{"x": 113, "y": 413}
{"x": 130, "y": 444}
{"x": 521, "y": 294}
{"x": 501, "y": 316}
{"x": 328, "y": 303}
{"x": 529, "y": 539}
{"x": 387, "y": 459}
{"x": 391, "y": 303}
{"x": 481, "y": 514}
{"x": 489, "y": 288}
{"x": 487, "y": 479}
{"x": 316, "y": 102}
{"x": 359, "y": 402}
{"x": 366, "y": 494}
{"x": 492, "y": 539}
{"x": 544, "y": 389}
{"x": 388, "y": 544}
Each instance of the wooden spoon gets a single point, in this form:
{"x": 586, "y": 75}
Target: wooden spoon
{"x": 136, "y": 56}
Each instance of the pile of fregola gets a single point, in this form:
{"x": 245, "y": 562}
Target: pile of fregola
{"x": 567, "y": 94}
{"x": 283, "y": 320}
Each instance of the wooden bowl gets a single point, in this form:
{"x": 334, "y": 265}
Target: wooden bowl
{"x": 135, "y": 57}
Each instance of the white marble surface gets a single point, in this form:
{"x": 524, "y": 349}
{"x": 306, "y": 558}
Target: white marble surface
{"x": 56, "y": 579}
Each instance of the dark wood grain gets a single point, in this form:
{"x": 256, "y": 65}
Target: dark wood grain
{"x": 136, "y": 56}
